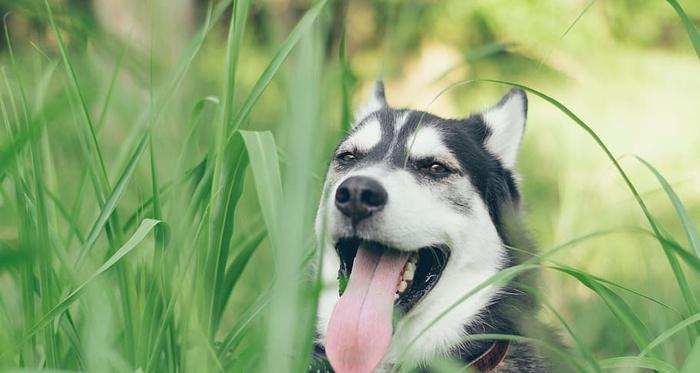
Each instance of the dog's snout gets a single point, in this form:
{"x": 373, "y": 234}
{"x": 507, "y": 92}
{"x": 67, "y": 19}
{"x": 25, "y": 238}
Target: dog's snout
{"x": 358, "y": 197}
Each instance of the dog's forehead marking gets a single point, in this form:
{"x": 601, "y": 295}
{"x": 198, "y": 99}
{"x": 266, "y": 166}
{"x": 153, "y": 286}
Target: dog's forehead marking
{"x": 400, "y": 120}
{"x": 366, "y": 136}
{"x": 427, "y": 142}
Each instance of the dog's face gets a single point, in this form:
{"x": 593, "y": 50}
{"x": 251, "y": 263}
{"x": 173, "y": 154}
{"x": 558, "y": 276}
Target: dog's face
{"x": 409, "y": 217}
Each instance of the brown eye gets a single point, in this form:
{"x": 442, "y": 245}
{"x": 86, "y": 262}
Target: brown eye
{"x": 346, "y": 157}
{"x": 438, "y": 168}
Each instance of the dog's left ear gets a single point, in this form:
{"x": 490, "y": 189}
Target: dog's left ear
{"x": 376, "y": 101}
{"x": 506, "y": 124}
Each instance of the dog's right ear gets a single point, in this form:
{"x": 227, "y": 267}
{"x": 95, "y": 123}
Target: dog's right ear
{"x": 376, "y": 101}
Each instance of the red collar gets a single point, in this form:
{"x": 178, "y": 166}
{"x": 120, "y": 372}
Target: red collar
{"x": 489, "y": 360}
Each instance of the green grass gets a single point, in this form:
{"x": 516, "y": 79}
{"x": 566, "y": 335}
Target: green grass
{"x": 156, "y": 212}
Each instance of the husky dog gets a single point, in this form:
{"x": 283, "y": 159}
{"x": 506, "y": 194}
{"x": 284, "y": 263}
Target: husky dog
{"x": 416, "y": 212}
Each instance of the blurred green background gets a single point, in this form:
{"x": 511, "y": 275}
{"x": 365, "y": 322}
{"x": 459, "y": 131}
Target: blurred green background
{"x": 144, "y": 71}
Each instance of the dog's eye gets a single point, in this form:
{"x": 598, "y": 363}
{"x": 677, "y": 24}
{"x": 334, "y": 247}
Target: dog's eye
{"x": 346, "y": 156}
{"x": 436, "y": 168}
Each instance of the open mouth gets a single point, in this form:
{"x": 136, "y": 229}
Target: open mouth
{"x": 375, "y": 280}
{"x": 418, "y": 276}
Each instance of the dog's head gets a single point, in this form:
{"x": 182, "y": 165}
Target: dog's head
{"x": 410, "y": 212}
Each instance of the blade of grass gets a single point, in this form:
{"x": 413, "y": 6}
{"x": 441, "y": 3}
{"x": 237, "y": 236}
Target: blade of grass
{"x": 690, "y": 27}
{"x": 271, "y": 70}
{"x": 692, "y": 362}
{"x": 75, "y": 85}
{"x": 245, "y": 251}
{"x": 239, "y": 329}
{"x": 37, "y": 231}
{"x": 111, "y": 203}
{"x": 580, "y": 345}
{"x": 688, "y": 224}
{"x": 295, "y": 302}
{"x": 612, "y": 283}
{"x": 229, "y": 127}
{"x": 688, "y": 295}
{"x": 29, "y": 281}
{"x": 138, "y": 236}
{"x": 265, "y": 165}
{"x": 225, "y": 194}
{"x": 66, "y": 216}
{"x": 622, "y": 311}
{"x": 638, "y": 362}
{"x": 11, "y": 258}
{"x": 635, "y": 292}
{"x": 690, "y": 259}
{"x": 221, "y": 225}
{"x": 11, "y": 151}
{"x": 668, "y": 333}
{"x": 347, "y": 81}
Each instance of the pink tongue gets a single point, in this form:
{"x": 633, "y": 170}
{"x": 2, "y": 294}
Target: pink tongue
{"x": 359, "y": 331}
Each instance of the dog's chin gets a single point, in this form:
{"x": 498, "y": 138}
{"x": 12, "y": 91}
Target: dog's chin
{"x": 429, "y": 265}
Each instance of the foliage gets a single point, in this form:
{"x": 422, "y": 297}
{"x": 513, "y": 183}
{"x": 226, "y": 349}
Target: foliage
{"x": 158, "y": 184}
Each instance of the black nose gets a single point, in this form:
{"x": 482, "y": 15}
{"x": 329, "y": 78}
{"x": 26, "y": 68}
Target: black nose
{"x": 358, "y": 197}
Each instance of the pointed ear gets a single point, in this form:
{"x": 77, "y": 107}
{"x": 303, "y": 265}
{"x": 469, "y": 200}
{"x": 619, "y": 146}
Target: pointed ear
{"x": 375, "y": 102}
{"x": 506, "y": 124}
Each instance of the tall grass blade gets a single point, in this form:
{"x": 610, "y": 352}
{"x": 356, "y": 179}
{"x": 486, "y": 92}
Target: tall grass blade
{"x": 245, "y": 251}
{"x": 580, "y": 345}
{"x": 622, "y": 311}
{"x": 244, "y": 323}
{"x": 688, "y": 257}
{"x": 266, "y": 77}
{"x": 264, "y": 162}
{"x": 305, "y": 101}
{"x": 70, "y": 70}
{"x": 347, "y": 81}
{"x": 689, "y": 227}
{"x": 687, "y": 293}
{"x": 9, "y": 152}
{"x": 690, "y": 27}
{"x": 112, "y": 201}
{"x": 692, "y": 362}
{"x": 138, "y": 236}
{"x": 226, "y": 186}
{"x": 222, "y": 224}
{"x": 11, "y": 258}
{"x": 668, "y": 333}
{"x": 638, "y": 363}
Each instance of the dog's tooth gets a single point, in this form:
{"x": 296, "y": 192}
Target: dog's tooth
{"x": 408, "y": 275}
{"x": 402, "y": 286}
{"x": 411, "y": 267}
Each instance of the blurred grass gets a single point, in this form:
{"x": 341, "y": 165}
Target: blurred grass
{"x": 197, "y": 257}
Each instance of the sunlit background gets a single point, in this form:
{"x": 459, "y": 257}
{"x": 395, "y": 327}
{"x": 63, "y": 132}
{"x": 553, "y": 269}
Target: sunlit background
{"x": 627, "y": 68}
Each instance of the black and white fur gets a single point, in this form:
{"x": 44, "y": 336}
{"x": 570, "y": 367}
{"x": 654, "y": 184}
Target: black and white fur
{"x": 469, "y": 211}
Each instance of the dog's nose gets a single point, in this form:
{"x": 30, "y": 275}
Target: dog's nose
{"x": 358, "y": 197}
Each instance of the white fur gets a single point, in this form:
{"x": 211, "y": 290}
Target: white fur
{"x": 400, "y": 120}
{"x": 507, "y": 123}
{"x": 365, "y": 137}
{"x": 477, "y": 255}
